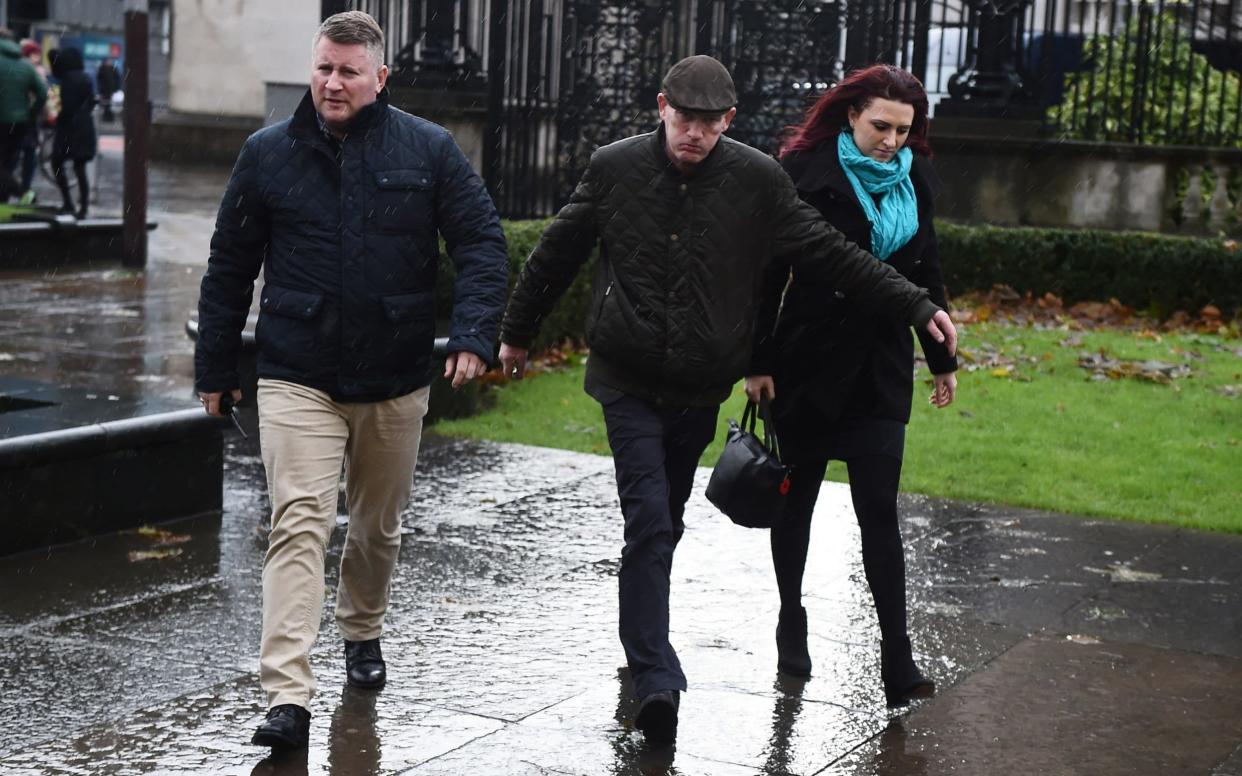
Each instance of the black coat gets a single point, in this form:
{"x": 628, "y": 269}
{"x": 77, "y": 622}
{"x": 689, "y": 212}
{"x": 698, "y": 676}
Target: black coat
{"x": 681, "y": 262}
{"x": 107, "y": 80}
{"x": 347, "y": 238}
{"x": 831, "y": 354}
{"x": 74, "y": 137}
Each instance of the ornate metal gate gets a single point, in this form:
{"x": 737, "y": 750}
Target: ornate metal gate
{"x": 564, "y": 77}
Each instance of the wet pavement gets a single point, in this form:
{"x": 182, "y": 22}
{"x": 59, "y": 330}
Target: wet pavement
{"x": 1060, "y": 645}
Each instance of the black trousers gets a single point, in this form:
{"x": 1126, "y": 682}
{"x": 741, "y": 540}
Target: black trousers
{"x": 874, "y": 480}
{"x": 656, "y": 451}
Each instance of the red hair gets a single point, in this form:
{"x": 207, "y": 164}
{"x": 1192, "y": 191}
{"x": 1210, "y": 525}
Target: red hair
{"x": 828, "y": 115}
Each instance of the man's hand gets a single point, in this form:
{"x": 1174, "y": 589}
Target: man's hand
{"x": 759, "y": 385}
{"x": 463, "y": 366}
{"x": 211, "y": 401}
{"x": 941, "y": 329}
{"x": 944, "y": 389}
{"x": 513, "y": 360}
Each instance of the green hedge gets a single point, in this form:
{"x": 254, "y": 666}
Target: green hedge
{"x": 569, "y": 315}
{"x": 1147, "y": 271}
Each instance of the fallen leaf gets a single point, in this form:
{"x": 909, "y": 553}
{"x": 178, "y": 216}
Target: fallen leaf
{"x": 1079, "y": 639}
{"x": 139, "y": 555}
{"x": 1102, "y": 366}
{"x": 162, "y": 538}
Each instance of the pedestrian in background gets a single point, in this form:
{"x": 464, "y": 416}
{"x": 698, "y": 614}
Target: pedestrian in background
{"x": 341, "y": 206}
{"x": 74, "y": 138}
{"x": 687, "y": 221}
{"x": 843, "y": 374}
{"x": 107, "y": 83}
{"x": 33, "y": 53}
{"x": 22, "y": 96}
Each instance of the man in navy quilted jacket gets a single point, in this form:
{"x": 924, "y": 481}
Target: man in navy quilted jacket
{"x": 340, "y": 206}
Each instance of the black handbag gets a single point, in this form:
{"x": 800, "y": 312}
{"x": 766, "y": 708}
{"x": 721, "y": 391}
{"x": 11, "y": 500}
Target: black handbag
{"x": 749, "y": 483}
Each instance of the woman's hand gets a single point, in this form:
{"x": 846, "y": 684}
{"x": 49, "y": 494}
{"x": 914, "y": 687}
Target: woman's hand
{"x": 944, "y": 389}
{"x": 757, "y": 385}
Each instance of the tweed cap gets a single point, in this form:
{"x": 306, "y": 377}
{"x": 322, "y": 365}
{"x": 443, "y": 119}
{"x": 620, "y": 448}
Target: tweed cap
{"x": 700, "y": 84}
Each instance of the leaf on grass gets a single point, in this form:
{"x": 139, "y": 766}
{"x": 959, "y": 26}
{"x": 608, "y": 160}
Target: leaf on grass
{"x": 1230, "y": 391}
{"x": 1104, "y": 367}
{"x": 140, "y": 555}
{"x": 1072, "y": 341}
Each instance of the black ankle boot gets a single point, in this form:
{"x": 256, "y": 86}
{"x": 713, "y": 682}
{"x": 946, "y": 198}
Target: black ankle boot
{"x": 364, "y": 664}
{"x": 287, "y": 727}
{"x": 793, "y": 658}
{"x": 903, "y": 681}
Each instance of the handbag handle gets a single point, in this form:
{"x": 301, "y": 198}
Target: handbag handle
{"x": 762, "y": 410}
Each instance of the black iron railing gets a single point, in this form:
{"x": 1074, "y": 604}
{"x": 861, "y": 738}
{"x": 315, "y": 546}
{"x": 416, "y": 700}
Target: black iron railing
{"x": 566, "y": 76}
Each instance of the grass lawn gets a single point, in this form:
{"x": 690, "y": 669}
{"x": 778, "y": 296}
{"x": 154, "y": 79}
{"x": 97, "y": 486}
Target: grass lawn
{"x": 1030, "y": 426}
{"x": 7, "y": 211}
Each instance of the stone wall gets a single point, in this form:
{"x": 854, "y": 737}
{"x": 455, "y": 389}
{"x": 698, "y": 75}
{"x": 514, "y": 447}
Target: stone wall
{"x": 1039, "y": 182}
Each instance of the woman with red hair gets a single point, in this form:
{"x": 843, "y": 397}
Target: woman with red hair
{"x": 844, "y": 373}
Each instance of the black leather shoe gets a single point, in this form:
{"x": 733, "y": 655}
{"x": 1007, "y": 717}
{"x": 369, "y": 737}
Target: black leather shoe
{"x": 287, "y": 727}
{"x": 657, "y": 717}
{"x": 792, "y": 656}
{"x": 903, "y": 681}
{"x": 364, "y": 664}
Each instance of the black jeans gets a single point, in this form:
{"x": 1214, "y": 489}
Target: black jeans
{"x": 656, "y": 451}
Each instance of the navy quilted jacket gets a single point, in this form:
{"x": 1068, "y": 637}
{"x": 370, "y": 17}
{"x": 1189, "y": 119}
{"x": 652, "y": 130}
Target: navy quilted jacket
{"x": 346, "y": 237}
{"x": 682, "y": 259}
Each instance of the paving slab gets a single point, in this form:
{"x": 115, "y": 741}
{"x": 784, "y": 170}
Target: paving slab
{"x": 358, "y": 733}
{"x": 1070, "y": 706}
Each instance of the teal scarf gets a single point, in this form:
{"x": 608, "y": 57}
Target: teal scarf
{"x": 896, "y": 220}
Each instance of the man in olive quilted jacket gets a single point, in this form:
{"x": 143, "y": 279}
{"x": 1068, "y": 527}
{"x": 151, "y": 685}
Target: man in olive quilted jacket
{"x": 686, "y": 220}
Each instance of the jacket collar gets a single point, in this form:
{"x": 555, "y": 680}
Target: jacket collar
{"x": 306, "y": 124}
{"x": 818, "y": 169}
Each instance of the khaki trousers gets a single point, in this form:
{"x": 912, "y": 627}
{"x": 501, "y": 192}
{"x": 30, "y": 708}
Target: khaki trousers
{"x": 306, "y": 436}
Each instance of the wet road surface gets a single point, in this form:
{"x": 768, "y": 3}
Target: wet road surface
{"x": 1060, "y": 645}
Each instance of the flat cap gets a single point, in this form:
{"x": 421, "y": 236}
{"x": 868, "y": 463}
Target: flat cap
{"x": 701, "y": 84}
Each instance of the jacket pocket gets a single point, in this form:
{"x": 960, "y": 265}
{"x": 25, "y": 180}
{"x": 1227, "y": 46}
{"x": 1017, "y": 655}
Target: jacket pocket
{"x": 290, "y": 303}
{"x": 293, "y": 331}
{"x": 403, "y": 308}
{"x": 410, "y": 333}
{"x": 402, "y": 200}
